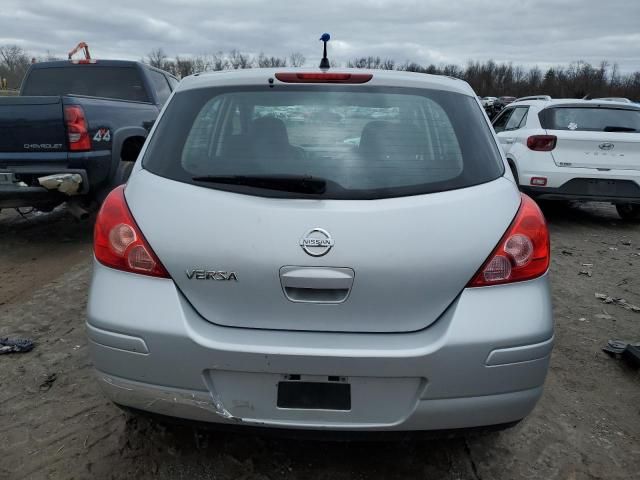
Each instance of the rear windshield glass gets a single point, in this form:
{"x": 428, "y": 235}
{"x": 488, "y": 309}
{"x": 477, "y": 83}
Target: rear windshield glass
{"x": 365, "y": 143}
{"x": 591, "y": 119}
{"x": 123, "y": 83}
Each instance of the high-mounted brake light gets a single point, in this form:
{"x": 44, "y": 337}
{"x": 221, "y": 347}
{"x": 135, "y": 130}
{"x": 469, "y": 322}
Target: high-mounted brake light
{"x": 77, "y": 130}
{"x": 86, "y": 61}
{"x": 118, "y": 242}
{"x": 523, "y": 252}
{"x": 542, "y": 143}
{"x": 324, "y": 77}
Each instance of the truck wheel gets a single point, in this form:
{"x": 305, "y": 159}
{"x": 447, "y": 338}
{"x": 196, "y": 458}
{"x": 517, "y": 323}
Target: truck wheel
{"x": 628, "y": 211}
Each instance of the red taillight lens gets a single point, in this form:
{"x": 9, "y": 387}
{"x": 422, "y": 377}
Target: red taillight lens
{"x": 77, "y": 130}
{"x": 523, "y": 252}
{"x": 324, "y": 77}
{"x": 118, "y": 242}
{"x": 542, "y": 143}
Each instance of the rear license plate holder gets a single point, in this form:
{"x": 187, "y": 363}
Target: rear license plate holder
{"x": 596, "y": 186}
{"x": 314, "y": 395}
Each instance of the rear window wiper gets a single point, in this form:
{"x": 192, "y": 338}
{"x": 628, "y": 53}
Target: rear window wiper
{"x": 619, "y": 129}
{"x": 285, "y": 183}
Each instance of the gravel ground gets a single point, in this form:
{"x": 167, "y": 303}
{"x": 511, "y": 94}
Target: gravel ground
{"x": 54, "y": 422}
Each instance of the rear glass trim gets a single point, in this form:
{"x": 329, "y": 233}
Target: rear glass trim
{"x": 482, "y": 164}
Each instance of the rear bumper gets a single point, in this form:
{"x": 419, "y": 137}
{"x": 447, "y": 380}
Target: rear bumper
{"x": 585, "y": 184}
{"x": 436, "y": 414}
{"x": 93, "y": 167}
{"x": 16, "y": 195}
{"x": 589, "y": 189}
{"x": 482, "y": 363}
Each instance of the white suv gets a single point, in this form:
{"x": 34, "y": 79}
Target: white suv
{"x": 587, "y": 150}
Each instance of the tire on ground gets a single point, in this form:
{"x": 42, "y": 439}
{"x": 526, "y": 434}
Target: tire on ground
{"x": 628, "y": 211}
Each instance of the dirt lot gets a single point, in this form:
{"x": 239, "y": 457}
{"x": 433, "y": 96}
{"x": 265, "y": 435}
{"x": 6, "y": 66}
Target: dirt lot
{"x": 54, "y": 422}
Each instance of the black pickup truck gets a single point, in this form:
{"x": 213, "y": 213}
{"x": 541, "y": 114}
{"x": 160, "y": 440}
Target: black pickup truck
{"x": 75, "y": 130}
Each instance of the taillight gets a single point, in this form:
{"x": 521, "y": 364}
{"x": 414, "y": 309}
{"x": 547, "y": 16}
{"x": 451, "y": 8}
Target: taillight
{"x": 324, "y": 77}
{"x": 542, "y": 143}
{"x": 523, "y": 252}
{"x": 77, "y": 130}
{"x": 118, "y": 242}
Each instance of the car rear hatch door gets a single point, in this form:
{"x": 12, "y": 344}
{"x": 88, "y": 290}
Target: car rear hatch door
{"x": 394, "y": 265}
{"x": 32, "y": 125}
{"x": 599, "y": 136}
{"x": 602, "y": 150}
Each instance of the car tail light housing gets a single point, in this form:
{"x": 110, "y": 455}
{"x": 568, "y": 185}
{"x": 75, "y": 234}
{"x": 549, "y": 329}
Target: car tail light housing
{"x": 523, "y": 252}
{"x": 77, "y": 129}
{"x": 118, "y": 242}
{"x": 323, "y": 77}
{"x": 542, "y": 143}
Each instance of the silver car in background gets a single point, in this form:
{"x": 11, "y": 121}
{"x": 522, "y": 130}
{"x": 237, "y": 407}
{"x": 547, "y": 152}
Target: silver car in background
{"x": 328, "y": 250}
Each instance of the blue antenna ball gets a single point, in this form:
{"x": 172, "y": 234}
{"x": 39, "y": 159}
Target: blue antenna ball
{"x": 325, "y": 37}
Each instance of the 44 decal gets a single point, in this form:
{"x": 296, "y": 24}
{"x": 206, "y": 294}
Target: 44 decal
{"x": 102, "y": 135}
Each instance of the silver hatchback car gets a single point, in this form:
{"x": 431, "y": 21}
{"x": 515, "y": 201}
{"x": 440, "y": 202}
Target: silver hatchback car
{"x": 329, "y": 250}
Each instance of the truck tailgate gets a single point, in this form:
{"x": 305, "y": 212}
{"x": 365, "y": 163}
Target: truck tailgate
{"x": 32, "y": 124}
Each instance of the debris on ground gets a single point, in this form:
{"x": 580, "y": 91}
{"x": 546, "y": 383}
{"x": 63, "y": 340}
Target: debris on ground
{"x": 566, "y": 252}
{"x": 586, "y": 270}
{"x": 617, "y": 301}
{"x": 15, "y": 345}
{"x": 629, "y": 352}
{"x": 604, "y": 316}
{"x": 48, "y": 382}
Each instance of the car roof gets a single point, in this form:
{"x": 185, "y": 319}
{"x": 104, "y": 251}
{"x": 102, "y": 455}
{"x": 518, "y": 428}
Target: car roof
{"x": 387, "y": 78}
{"x": 571, "y": 101}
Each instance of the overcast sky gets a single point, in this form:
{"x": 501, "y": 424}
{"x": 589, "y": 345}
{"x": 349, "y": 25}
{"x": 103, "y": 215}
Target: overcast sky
{"x": 528, "y": 32}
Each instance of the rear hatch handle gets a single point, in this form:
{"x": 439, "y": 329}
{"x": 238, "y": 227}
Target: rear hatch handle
{"x": 316, "y": 284}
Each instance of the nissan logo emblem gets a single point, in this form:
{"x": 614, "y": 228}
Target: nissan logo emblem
{"x": 317, "y": 242}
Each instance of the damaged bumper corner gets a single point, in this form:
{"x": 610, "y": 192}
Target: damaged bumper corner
{"x": 193, "y": 405}
{"x": 36, "y": 186}
{"x": 67, "y": 183}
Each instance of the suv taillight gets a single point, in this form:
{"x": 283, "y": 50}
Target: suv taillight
{"x": 77, "y": 130}
{"x": 523, "y": 252}
{"x": 118, "y": 242}
{"x": 542, "y": 143}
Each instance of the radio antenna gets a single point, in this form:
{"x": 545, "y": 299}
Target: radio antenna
{"x": 324, "y": 63}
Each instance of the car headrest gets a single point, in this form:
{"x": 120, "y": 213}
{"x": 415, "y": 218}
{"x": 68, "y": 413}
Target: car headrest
{"x": 270, "y": 131}
{"x": 381, "y": 138}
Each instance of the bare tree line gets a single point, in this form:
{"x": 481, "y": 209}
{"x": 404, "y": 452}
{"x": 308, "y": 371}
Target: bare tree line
{"x": 575, "y": 80}
{"x": 181, "y": 66}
